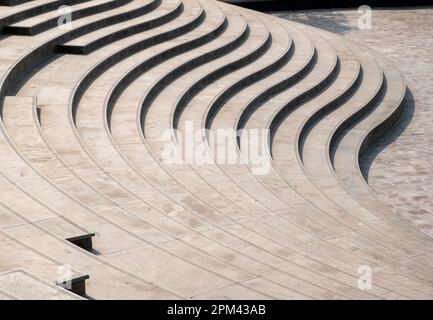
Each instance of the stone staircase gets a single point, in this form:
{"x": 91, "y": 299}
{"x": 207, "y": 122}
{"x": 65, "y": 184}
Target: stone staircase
{"x": 87, "y": 113}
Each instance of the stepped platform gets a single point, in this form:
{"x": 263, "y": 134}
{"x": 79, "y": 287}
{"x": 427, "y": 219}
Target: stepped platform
{"x": 111, "y": 166}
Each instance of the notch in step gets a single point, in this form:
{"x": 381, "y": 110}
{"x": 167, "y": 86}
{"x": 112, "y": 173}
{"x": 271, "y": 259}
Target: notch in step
{"x": 83, "y": 241}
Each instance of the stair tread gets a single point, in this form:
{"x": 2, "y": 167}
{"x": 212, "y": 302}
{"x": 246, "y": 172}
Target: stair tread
{"x": 81, "y": 153}
{"x": 166, "y": 7}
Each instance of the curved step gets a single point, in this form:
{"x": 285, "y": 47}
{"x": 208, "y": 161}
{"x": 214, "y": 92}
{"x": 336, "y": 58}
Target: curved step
{"x": 95, "y": 152}
{"x": 35, "y": 25}
{"x": 168, "y": 11}
{"x": 108, "y": 256}
{"x": 20, "y": 57}
{"x": 230, "y": 66}
{"x": 193, "y": 112}
{"x": 266, "y": 113}
{"x": 134, "y": 45}
{"x": 54, "y": 260}
{"x": 129, "y": 141}
{"x": 81, "y": 141}
{"x": 357, "y": 137}
{"x": 359, "y": 131}
{"x": 231, "y": 108}
{"x": 25, "y": 286}
{"x": 234, "y": 33}
{"x": 316, "y": 137}
{"x": 124, "y": 112}
{"x": 218, "y": 116}
{"x": 364, "y": 127}
{"x": 282, "y": 153}
{"x": 43, "y": 117}
{"x": 19, "y": 114}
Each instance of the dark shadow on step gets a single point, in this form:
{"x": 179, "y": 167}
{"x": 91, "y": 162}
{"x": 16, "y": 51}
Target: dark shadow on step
{"x": 399, "y": 127}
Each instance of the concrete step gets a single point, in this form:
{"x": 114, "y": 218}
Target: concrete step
{"x": 42, "y": 118}
{"x": 223, "y": 114}
{"x": 20, "y": 55}
{"x": 129, "y": 142}
{"x": 232, "y": 108}
{"x": 168, "y": 11}
{"x": 22, "y": 285}
{"x": 82, "y": 142}
{"x": 35, "y": 25}
{"x": 356, "y": 137}
{"x": 266, "y": 114}
{"x": 314, "y": 155}
{"x": 377, "y": 118}
{"x": 29, "y": 9}
{"x": 121, "y": 114}
{"x": 175, "y": 249}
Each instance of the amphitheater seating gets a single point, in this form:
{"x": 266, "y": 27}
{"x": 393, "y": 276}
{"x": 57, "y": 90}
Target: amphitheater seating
{"x": 87, "y": 114}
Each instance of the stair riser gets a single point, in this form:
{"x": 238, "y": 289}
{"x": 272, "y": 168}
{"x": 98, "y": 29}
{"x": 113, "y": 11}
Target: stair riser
{"x": 280, "y": 87}
{"x": 44, "y": 53}
{"x": 25, "y": 14}
{"x": 243, "y": 83}
{"x": 52, "y": 23}
{"x": 128, "y": 51}
{"x": 329, "y": 107}
{"x": 355, "y": 117}
{"x": 187, "y": 67}
{"x": 381, "y": 129}
{"x": 121, "y": 34}
{"x": 302, "y": 99}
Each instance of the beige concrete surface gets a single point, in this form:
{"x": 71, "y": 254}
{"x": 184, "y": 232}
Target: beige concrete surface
{"x": 83, "y": 144}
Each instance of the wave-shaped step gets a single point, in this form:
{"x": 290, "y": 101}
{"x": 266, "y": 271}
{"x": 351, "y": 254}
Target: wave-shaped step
{"x": 44, "y": 120}
{"x": 11, "y": 15}
{"x": 19, "y": 284}
{"x": 81, "y": 154}
{"x": 316, "y": 160}
{"x": 90, "y": 42}
{"x": 12, "y": 2}
{"x": 362, "y": 128}
{"x": 83, "y": 128}
{"x": 35, "y": 25}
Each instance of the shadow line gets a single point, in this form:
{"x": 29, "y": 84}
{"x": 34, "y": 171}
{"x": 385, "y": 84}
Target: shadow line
{"x": 369, "y": 155}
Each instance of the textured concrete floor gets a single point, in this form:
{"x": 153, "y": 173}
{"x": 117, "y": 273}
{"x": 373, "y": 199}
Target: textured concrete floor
{"x": 399, "y": 166}
{"x": 83, "y": 150}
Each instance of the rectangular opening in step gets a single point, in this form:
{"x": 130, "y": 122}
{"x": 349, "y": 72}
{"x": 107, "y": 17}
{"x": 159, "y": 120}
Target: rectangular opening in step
{"x": 83, "y": 241}
{"x": 75, "y": 285}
